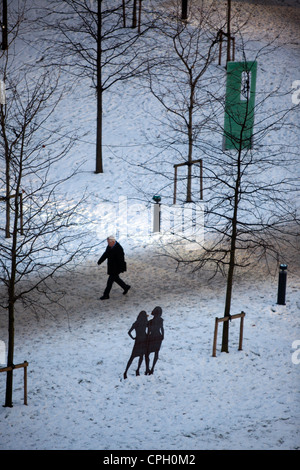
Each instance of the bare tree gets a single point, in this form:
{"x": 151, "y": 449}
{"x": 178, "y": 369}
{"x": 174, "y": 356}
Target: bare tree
{"x": 179, "y": 80}
{"x": 88, "y": 39}
{"x": 8, "y": 39}
{"x": 44, "y": 243}
{"x": 258, "y": 192}
{"x": 251, "y": 189}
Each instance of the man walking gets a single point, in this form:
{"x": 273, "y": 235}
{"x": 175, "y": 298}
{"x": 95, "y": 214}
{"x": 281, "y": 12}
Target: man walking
{"x": 114, "y": 254}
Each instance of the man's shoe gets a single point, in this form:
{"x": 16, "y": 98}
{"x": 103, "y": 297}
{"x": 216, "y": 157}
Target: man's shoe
{"x": 104, "y": 297}
{"x": 126, "y": 290}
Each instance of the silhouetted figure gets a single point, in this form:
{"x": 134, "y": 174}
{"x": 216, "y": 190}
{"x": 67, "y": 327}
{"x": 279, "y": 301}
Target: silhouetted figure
{"x": 116, "y": 264}
{"x": 140, "y": 341}
{"x": 155, "y": 338}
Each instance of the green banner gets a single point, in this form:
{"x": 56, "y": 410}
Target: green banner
{"x": 239, "y": 105}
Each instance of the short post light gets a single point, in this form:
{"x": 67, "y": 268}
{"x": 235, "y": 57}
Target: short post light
{"x": 282, "y": 284}
{"x": 156, "y": 213}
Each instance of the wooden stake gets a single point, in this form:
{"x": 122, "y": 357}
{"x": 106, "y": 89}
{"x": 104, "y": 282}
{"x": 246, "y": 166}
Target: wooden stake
{"x": 241, "y": 332}
{"x": 223, "y": 319}
{"x": 175, "y": 176}
{"x": 215, "y": 338}
{"x": 18, "y": 366}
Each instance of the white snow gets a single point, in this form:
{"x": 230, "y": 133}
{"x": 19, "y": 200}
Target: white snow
{"x": 77, "y": 397}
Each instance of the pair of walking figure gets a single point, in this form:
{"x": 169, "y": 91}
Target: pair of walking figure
{"x": 148, "y": 338}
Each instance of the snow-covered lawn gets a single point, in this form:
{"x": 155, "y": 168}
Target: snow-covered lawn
{"x": 78, "y": 399}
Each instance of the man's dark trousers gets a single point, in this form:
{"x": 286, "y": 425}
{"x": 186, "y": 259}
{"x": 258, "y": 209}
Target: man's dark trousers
{"x": 111, "y": 279}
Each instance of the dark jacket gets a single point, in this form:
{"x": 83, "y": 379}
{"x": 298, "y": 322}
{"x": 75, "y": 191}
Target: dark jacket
{"x": 115, "y": 259}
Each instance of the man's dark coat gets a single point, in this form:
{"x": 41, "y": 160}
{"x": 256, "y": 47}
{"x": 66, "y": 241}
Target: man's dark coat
{"x": 115, "y": 259}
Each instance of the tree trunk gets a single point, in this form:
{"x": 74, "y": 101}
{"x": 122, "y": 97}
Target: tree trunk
{"x": 190, "y": 148}
{"x": 7, "y": 175}
{"x": 225, "y": 335}
{"x": 134, "y": 14}
{"x": 10, "y": 353}
{"x": 184, "y": 9}
{"x": 124, "y": 13}
{"x": 11, "y": 308}
{"x": 99, "y": 166}
{"x": 233, "y": 237}
{"x": 11, "y": 288}
{"x": 7, "y": 192}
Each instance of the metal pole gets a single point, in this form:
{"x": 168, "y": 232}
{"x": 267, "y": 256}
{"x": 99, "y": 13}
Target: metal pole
{"x": 281, "y": 284}
{"x": 228, "y": 30}
{"x": 25, "y": 382}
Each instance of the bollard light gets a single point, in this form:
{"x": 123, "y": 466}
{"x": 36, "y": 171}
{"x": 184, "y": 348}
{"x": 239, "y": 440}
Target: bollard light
{"x": 282, "y": 284}
{"x": 156, "y": 199}
{"x": 2, "y": 92}
{"x": 156, "y": 213}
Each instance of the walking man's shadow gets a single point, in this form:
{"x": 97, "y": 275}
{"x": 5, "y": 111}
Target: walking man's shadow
{"x": 148, "y": 338}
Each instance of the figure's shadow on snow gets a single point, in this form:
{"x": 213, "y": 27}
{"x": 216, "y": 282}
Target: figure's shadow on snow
{"x": 147, "y": 340}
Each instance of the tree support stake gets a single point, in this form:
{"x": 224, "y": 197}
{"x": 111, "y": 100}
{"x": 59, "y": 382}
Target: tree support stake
{"x": 18, "y": 366}
{"x": 230, "y": 317}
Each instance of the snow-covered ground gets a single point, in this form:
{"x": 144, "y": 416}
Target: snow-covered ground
{"x": 77, "y": 397}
